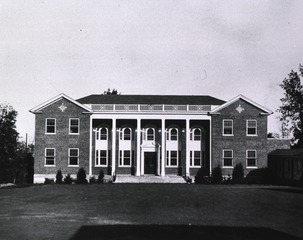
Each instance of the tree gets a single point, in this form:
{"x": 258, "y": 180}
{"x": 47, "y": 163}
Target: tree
{"x": 292, "y": 106}
{"x": 217, "y": 175}
{"x": 238, "y": 173}
{"x": 8, "y": 142}
{"x": 81, "y": 176}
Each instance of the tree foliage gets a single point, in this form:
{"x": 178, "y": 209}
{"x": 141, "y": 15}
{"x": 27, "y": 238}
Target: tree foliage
{"x": 8, "y": 141}
{"x": 217, "y": 175}
{"x": 16, "y": 158}
{"x": 238, "y": 173}
{"x": 111, "y": 92}
{"x": 292, "y": 106}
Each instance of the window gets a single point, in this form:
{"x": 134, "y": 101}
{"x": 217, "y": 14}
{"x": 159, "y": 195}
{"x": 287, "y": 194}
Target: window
{"x": 251, "y": 127}
{"x": 195, "y": 158}
{"x": 172, "y": 134}
{"x": 227, "y": 127}
{"x": 125, "y": 158}
{"x": 103, "y": 134}
{"x": 126, "y": 134}
{"x": 227, "y": 158}
{"x": 73, "y": 157}
{"x": 251, "y": 158}
{"x": 74, "y": 126}
{"x": 172, "y": 158}
{"x": 101, "y": 158}
{"x": 150, "y": 134}
{"x": 197, "y": 134}
{"x": 50, "y": 127}
{"x": 50, "y": 157}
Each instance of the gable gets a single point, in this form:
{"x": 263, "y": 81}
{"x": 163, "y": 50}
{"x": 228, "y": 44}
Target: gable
{"x": 241, "y": 104}
{"x": 63, "y": 100}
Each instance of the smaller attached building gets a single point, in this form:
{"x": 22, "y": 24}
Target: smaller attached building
{"x": 286, "y": 165}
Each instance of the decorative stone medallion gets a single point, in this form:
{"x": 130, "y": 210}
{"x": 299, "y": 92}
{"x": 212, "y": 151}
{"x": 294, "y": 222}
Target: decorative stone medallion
{"x": 62, "y": 107}
{"x": 240, "y": 108}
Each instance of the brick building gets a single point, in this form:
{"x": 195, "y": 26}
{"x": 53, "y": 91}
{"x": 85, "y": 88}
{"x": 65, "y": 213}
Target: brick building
{"x": 148, "y": 135}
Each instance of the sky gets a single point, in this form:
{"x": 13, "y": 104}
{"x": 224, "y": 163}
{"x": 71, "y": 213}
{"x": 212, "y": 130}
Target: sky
{"x": 218, "y": 48}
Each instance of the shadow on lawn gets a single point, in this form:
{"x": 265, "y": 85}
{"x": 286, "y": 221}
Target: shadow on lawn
{"x": 288, "y": 190}
{"x": 167, "y": 232}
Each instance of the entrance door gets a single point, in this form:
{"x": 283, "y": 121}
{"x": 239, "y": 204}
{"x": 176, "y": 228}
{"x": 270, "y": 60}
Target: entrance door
{"x": 150, "y": 159}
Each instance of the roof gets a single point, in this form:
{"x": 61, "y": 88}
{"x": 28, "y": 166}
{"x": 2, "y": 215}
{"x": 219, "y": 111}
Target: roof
{"x": 151, "y": 99}
{"x": 265, "y": 110}
{"x": 287, "y": 152}
{"x": 38, "y": 108}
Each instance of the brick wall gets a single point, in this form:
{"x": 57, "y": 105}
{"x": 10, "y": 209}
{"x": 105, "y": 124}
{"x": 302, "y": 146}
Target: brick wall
{"x": 239, "y": 142}
{"x": 62, "y": 140}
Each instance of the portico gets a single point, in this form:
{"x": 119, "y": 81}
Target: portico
{"x": 142, "y": 144}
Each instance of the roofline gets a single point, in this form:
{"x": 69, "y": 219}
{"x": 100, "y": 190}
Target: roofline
{"x": 38, "y": 108}
{"x": 266, "y": 110}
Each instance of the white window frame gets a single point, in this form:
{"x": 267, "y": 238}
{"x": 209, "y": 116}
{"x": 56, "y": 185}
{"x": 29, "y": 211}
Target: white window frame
{"x": 98, "y": 134}
{"x": 55, "y": 126}
{"x": 45, "y": 156}
{"x": 232, "y": 127}
{"x": 192, "y": 159}
{"x": 70, "y": 125}
{"x": 168, "y": 158}
{"x": 192, "y": 134}
{"x": 122, "y": 158}
{"x": 247, "y": 158}
{"x": 102, "y": 134}
{"x": 69, "y": 157}
{"x": 169, "y": 136}
{"x": 232, "y": 158}
{"x": 98, "y": 158}
{"x": 256, "y": 127}
{"x": 122, "y": 134}
{"x": 146, "y": 134}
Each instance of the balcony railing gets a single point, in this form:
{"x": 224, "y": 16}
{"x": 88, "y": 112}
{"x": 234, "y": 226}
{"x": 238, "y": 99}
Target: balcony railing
{"x": 149, "y": 108}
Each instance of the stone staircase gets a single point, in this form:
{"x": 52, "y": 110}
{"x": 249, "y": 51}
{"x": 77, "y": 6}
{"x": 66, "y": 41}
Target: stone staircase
{"x": 149, "y": 179}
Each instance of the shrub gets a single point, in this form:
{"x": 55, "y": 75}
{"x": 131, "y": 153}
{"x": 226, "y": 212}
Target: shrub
{"x": 238, "y": 173}
{"x": 101, "y": 176}
{"x": 81, "y": 176}
{"x": 59, "y": 177}
{"x": 68, "y": 179}
{"x": 217, "y": 175}
{"x": 202, "y": 176}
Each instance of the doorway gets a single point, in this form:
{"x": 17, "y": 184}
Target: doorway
{"x": 150, "y": 159}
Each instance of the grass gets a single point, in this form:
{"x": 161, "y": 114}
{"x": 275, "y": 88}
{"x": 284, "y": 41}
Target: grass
{"x": 61, "y": 211}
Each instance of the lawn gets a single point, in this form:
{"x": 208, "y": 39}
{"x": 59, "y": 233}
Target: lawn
{"x": 66, "y": 211}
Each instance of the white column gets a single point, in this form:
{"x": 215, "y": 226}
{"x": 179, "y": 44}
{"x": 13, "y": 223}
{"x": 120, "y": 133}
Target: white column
{"x": 158, "y": 159}
{"x": 90, "y": 145}
{"x": 210, "y": 149}
{"x": 138, "y": 165}
{"x": 114, "y": 132}
{"x": 163, "y": 159}
{"x": 187, "y": 132}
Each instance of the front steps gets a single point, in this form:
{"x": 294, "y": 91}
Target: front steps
{"x": 149, "y": 179}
